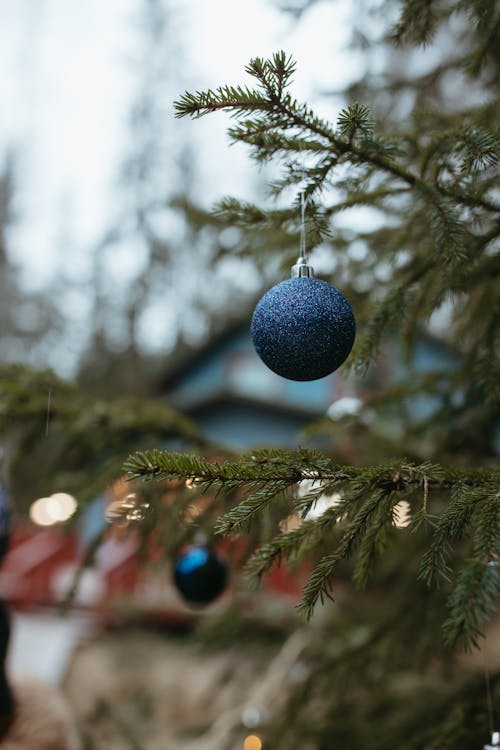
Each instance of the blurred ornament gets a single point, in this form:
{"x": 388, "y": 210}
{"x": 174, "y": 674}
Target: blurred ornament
{"x": 200, "y": 576}
{"x": 495, "y": 742}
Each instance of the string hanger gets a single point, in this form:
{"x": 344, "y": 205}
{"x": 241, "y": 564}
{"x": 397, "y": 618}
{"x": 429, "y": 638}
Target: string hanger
{"x": 302, "y": 268}
{"x": 303, "y": 203}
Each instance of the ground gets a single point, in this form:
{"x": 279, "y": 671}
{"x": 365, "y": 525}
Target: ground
{"x": 148, "y": 691}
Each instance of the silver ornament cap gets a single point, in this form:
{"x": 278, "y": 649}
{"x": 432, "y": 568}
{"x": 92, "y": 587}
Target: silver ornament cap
{"x": 302, "y": 269}
{"x": 495, "y": 742}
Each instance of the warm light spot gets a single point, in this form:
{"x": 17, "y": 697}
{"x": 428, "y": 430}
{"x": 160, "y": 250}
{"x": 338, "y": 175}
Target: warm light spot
{"x": 61, "y": 506}
{"x": 57, "y": 508}
{"x": 196, "y": 509}
{"x": 192, "y": 512}
{"x": 39, "y": 513}
{"x": 252, "y": 742}
{"x": 114, "y": 511}
{"x": 402, "y": 514}
{"x": 127, "y": 509}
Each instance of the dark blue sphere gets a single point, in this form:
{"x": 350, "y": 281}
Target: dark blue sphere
{"x": 199, "y": 575}
{"x": 303, "y": 328}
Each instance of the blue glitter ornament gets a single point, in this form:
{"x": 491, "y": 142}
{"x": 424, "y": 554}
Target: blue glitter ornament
{"x": 199, "y": 575}
{"x": 303, "y": 328}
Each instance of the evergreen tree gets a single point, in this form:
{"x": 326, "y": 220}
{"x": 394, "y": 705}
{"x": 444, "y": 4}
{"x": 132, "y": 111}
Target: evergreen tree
{"x": 431, "y": 175}
{"x": 383, "y": 666}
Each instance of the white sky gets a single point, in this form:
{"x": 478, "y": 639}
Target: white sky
{"x": 69, "y": 75}
{"x": 66, "y": 83}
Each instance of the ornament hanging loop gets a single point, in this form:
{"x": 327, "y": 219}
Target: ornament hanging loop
{"x": 303, "y": 204}
{"x": 302, "y": 268}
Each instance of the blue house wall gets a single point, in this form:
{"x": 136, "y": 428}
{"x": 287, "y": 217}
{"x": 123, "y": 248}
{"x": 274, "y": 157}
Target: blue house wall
{"x": 239, "y": 402}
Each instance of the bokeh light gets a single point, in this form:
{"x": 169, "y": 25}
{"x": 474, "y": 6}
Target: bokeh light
{"x": 252, "y": 742}
{"x": 251, "y": 717}
{"x": 125, "y": 507}
{"x": 402, "y": 514}
{"x": 39, "y": 512}
{"x": 58, "y": 508}
{"x": 61, "y": 506}
{"x": 347, "y": 406}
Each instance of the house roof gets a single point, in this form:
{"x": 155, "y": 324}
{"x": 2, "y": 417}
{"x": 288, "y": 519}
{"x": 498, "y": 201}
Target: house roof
{"x": 226, "y": 370}
{"x": 189, "y": 357}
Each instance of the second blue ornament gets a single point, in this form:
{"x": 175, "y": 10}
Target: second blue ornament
{"x": 303, "y": 328}
{"x": 200, "y": 576}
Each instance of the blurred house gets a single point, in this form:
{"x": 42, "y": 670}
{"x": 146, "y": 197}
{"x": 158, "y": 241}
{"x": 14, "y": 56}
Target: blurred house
{"x": 237, "y": 401}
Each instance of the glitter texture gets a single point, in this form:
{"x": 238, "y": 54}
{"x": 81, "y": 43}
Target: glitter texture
{"x": 303, "y": 329}
{"x": 199, "y": 575}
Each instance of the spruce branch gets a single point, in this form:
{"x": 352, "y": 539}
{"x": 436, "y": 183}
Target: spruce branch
{"x": 479, "y": 150}
{"x": 285, "y": 125}
{"x": 365, "y": 510}
{"x": 238, "y": 99}
{"x": 449, "y": 527}
{"x": 448, "y": 231}
{"x": 396, "y": 303}
{"x": 81, "y": 429}
{"x": 253, "y": 504}
{"x": 417, "y": 23}
{"x": 246, "y": 214}
{"x": 319, "y": 584}
{"x": 472, "y": 603}
{"x": 355, "y": 119}
{"x": 296, "y": 466}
